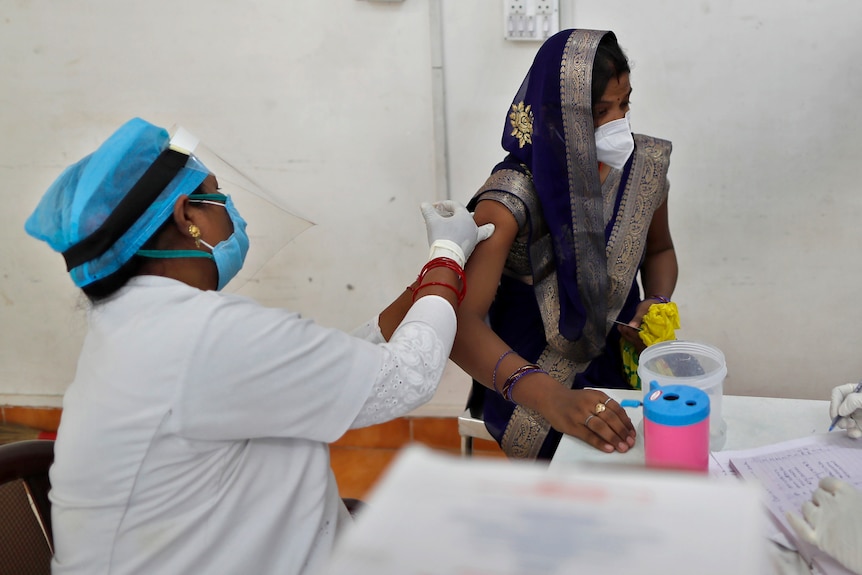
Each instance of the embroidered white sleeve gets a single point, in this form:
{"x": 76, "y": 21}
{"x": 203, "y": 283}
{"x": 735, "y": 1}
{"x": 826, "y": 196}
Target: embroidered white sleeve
{"x": 414, "y": 360}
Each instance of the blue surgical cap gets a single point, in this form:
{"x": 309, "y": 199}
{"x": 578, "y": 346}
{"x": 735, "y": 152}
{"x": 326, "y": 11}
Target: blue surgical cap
{"x": 80, "y": 201}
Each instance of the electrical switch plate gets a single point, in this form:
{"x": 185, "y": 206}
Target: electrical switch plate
{"x": 530, "y": 19}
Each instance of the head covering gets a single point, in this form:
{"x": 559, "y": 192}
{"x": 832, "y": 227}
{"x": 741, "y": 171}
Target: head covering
{"x": 103, "y": 208}
{"x": 549, "y": 130}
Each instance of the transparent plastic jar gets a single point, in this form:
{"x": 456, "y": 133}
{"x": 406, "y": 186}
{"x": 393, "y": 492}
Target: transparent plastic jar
{"x": 699, "y": 365}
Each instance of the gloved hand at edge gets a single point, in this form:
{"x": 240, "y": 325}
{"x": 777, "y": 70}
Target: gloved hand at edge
{"x": 452, "y": 232}
{"x": 833, "y": 522}
{"x": 847, "y": 404}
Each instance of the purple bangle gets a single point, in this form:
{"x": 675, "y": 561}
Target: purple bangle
{"x": 496, "y": 367}
{"x": 660, "y": 298}
{"x": 516, "y": 379}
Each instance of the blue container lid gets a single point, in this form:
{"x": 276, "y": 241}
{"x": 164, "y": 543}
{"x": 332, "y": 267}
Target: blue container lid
{"x": 675, "y": 405}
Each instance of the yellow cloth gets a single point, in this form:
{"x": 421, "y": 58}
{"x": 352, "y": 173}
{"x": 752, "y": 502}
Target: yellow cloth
{"x": 659, "y": 324}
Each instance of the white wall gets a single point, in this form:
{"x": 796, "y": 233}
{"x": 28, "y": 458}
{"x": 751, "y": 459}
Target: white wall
{"x": 330, "y": 104}
{"x": 327, "y": 104}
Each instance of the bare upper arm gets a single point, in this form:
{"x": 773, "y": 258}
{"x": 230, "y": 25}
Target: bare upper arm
{"x": 485, "y": 266}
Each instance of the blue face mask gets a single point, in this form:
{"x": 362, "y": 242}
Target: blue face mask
{"x": 229, "y": 254}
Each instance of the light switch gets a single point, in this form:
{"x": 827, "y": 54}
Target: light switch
{"x": 530, "y": 19}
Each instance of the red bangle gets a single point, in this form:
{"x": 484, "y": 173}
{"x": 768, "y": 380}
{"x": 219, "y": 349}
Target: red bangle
{"x": 445, "y": 263}
{"x": 428, "y": 284}
{"x": 442, "y": 262}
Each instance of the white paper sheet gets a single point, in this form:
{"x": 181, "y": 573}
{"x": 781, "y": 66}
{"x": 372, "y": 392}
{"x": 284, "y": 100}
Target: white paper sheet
{"x": 438, "y": 514}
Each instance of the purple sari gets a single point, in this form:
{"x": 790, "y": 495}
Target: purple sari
{"x": 573, "y": 267}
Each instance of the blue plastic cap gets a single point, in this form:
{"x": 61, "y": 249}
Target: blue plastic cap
{"x": 676, "y": 405}
{"x": 86, "y": 193}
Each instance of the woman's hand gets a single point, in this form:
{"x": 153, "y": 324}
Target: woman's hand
{"x": 591, "y": 416}
{"x": 631, "y": 334}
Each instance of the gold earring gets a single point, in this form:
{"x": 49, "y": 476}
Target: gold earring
{"x": 195, "y": 232}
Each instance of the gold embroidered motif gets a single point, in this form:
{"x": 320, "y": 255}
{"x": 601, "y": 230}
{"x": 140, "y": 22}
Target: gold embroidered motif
{"x": 521, "y": 118}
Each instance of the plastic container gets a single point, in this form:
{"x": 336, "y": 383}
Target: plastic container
{"x": 699, "y": 365}
{"x": 676, "y": 427}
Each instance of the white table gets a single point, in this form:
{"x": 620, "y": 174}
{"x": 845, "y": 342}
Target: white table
{"x": 751, "y": 422}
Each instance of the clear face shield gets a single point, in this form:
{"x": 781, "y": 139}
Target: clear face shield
{"x": 271, "y": 224}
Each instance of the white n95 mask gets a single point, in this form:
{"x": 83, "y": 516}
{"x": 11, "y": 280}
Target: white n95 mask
{"x": 614, "y": 142}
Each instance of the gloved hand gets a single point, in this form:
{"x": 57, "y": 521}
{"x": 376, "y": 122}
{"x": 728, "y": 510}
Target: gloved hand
{"x": 452, "y": 233}
{"x": 848, "y": 405}
{"x": 833, "y": 522}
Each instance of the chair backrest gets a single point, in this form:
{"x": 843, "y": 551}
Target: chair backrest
{"x": 471, "y": 423}
{"x": 26, "y": 541}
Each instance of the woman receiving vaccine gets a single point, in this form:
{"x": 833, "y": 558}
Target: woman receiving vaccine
{"x": 580, "y": 208}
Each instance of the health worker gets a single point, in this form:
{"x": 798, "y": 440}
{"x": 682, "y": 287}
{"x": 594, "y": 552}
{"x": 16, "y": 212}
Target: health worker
{"x": 194, "y": 435}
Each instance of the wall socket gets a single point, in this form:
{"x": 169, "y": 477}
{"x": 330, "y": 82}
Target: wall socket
{"x": 534, "y": 20}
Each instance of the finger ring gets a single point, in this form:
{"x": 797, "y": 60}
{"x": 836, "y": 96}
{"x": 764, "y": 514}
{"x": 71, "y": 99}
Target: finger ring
{"x": 608, "y": 399}
{"x": 600, "y": 407}
{"x": 588, "y": 420}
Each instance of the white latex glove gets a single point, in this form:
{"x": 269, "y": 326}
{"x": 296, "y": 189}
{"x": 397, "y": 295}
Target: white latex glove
{"x": 833, "y": 522}
{"x": 452, "y": 233}
{"x": 848, "y": 405}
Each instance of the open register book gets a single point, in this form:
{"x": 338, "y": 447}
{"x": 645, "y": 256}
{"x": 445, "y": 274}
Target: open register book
{"x": 439, "y": 514}
{"x": 790, "y": 471}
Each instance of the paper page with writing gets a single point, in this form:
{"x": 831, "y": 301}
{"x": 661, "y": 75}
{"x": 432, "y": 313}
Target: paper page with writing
{"x": 790, "y": 471}
{"x": 719, "y": 467}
